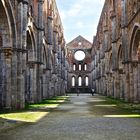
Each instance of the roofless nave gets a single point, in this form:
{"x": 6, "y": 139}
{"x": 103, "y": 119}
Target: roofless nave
{"x": 36, "y": 63}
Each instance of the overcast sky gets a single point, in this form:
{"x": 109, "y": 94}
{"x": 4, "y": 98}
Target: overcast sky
{"x": 79, "y": 17}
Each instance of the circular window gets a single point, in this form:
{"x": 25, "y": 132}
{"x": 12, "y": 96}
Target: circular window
{"x": 79, "y": 55}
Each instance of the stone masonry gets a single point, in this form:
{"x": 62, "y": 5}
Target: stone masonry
{"x": 116, "y": 51}
{"x": 32, "y": 52}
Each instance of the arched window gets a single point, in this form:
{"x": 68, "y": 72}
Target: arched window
{"x": 80, "y": 67}
{"x": 86, "y": 81}
{"x": 79, "y": 81}
{"x": 74, "y": 67}
{"x": 85, "y": 67}
{"x": 73, "y": 81}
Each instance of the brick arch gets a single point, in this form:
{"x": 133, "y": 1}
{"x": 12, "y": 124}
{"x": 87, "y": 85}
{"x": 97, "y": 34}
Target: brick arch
{"x": 134, "y": 50}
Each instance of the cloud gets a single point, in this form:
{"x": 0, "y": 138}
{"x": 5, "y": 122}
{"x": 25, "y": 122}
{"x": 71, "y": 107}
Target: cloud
{"x": 80, "y": 17}
{"x": 79, "y": 24}
{"x": 75, "y": 10}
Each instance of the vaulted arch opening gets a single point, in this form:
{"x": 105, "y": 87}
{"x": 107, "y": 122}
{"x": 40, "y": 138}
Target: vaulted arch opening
{"x": 134, "y": 54}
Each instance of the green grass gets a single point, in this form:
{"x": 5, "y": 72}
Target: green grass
{"x": 122, "y": 104}
{"x": 35, "y": 111}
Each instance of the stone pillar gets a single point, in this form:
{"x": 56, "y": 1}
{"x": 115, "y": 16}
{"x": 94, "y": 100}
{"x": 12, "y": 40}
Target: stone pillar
{"x": 127, "y": 83}
{"x": 14, "y": 80}
{"x": 116, "y": 84}
{"x": 131, "y": 76}
{"x": 20, "y": 77}
{"x": 121, "y": 86}
{"x": 45, "y": 84}
{"x": 39, "y": 50}
{"x": 135, "y": 82}
{"x": 21, "y": 54}
{"x": 3, "y": 79}
{"x": 8, "y": 54}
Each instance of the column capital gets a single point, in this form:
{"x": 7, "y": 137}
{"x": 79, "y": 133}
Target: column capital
{"x": 7, "y": 51}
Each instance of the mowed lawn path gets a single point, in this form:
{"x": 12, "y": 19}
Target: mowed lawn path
{"x": 82, "y": 117}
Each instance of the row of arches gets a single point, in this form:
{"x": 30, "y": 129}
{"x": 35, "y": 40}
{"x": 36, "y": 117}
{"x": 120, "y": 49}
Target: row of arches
{"x": 80, "y": 81}
{"x": 79, "y": 67}
{"x": 28, "y": 60}
{"x": 116, "y": 59}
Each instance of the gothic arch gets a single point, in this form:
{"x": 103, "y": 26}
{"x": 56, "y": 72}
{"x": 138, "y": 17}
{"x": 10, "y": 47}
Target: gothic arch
{"x": 120, "y": 57}
{"x": 30, "y": 46}
{"x": 86, "y": 80}
{"x": 9, "y": 17}
{"x": 44, "y": 56}
{"x": 134, "y": 51}
{"x": 73, "y": 81}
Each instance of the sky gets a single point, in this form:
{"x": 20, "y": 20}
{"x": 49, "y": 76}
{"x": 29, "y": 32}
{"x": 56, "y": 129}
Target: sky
{"x": 80, "y": 17}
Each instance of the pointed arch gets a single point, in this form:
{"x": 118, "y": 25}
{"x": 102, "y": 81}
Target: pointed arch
{"x": 30, "y": 46}
{"x": 73, "y": 81}
{"x": 8, "y": 31}
{"x": 80, "y": 81}
{"x": 120, "y": 57}
{"x": 86, "y": 81}
{"x": 134, "y": 50}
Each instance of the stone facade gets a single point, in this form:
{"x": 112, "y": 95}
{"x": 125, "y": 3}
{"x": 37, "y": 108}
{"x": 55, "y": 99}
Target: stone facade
{"x": 116, "y": 50}
{"x": 79, "y": 72}
{"x": 32, "y": 52}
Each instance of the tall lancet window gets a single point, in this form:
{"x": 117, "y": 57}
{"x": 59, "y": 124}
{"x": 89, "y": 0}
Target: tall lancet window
{"x": 79, "y": 81}
{"x": 73, "y": 81}
{"x": 86, "y": 81}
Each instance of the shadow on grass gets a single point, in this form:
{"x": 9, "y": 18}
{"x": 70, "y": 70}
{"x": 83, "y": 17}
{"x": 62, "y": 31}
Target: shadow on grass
{"x": 109, "y": 107}
{"x": 33, "y": 111}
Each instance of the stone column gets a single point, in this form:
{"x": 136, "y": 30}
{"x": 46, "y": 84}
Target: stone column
{"x": 127, "y": 83}
{"x": 3, "y": 79}
{"x": 24, "y": 35}
{"x": 8, "y": 54}
{"x": 135, "y": 82}
{"x": 39, "y": 50}
{"x": 131, "y": 76}
{"x": 20, "y": 77}
{"x": 14, "y": 80}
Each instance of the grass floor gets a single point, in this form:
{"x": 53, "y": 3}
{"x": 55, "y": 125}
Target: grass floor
{"x": 34, "y": 112}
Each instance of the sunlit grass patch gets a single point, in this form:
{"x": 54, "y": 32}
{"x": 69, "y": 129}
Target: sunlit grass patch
{"x": 105, "y": 105}
{"x": 42, "y": 106}
{"x": 24, "y": 116}
{"x": 35, "y": 111}
{"x": 123, "y": 116}
{"x": 49, "y": 103}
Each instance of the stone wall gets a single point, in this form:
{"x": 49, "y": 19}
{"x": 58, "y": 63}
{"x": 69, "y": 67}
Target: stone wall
{"x": 32, "y": 52}
{"x": 116, "y": 50}
{"x": 79, "y": 69}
